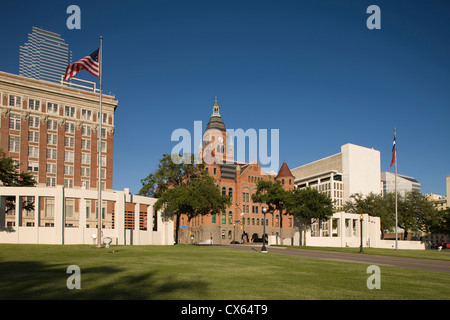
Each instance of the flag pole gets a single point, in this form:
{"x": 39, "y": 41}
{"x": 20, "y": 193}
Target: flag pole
{"x": 99, "y": 134}
{"x": 396, "y": 208}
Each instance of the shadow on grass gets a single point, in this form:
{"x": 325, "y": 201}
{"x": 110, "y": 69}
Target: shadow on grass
{"x": 38, "y": 281}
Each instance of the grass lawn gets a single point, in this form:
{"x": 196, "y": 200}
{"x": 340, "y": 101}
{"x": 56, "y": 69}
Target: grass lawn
{"x": 199, "y": 272}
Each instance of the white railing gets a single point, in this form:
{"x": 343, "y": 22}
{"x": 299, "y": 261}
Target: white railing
{"x": 91, "y": 88}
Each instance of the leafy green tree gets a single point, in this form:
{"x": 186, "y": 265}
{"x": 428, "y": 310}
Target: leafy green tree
{"x": 307, "y": 204}
{"x": 11, "y": 177}
{"x": 183, "y": 188}
{"x": 274, "y": 196}
{"x": 375, "y": 205}
{"x": 416, "y": 212}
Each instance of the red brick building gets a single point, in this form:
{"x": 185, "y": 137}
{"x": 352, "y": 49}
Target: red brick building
{"x": 243, "y": 219}
{"x": 52, "y": 131}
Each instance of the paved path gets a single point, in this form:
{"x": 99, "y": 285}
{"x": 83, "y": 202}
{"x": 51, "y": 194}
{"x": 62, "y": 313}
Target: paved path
{"x": 424, "y": 264}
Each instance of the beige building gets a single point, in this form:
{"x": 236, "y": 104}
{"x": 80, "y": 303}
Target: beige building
{"x": 355, "y": 169}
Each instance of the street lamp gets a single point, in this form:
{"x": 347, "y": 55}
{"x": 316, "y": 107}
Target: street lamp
{"x": 263, "y": 249}
{"x": 361, "y": 219}
{"x": 243, "y": 231}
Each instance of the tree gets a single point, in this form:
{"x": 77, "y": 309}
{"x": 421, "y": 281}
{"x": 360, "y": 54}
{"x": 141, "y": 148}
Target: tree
{"x": 414, "y": 211}
{"x": 307, "y": 204}
{"x": 11, "y": 177}
{"x": 375, "y": 205}
{"x": 274, "y": 196}
{"x": 183, "y": 188}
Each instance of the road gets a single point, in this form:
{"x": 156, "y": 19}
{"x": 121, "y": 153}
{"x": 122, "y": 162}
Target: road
{"x": 424, "y": 264}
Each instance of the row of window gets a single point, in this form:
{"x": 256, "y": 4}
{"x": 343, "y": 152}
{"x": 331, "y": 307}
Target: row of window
{"x": 53, "y": 108}
{"x": 52, "y": 125}
{"x": 51, "y": 153}
{"x": 228, "y": 219}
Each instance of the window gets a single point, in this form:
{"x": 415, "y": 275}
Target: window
{"x": 86, "y": 144}
{"x": 14, "y": 121}
{"x": 86, "y": 158}
{"x": 103, "y": 146}
{"x": 85, "y": 184}
{"x": 68, "y": 156}
{"x": 86, "y": 130}
{"x": 69, "y": 111}
{"x": 33, "y": 122}
{"x": 105, "y": 117}
{"x": 14, "y": 101}
{"x": 86, "y": 114}
{"x": 49, "y": 207}
{"x": 68, "y": 170}
{"x": 224, "y": 218}
{"x": 52, "y": 124}
{"x": 224, "y": 191}
{"x": 70, "y": 127}
{"x": 213, "y": 218}
{"x": 33, "y": 151}
{"x": 51, "y": 167}
{"x": 70, "y": 208}
{"x": 33, "y": 104}
{"x": 85, "y": 171}
{"x": 14, "y": 144}
{"x": 33, "y": 166}
{"x": 69, "y": 142}
{"x": 50, "y": 182}
{"x": 103, "y": 161}
{"x": 230, "y": 218}
{"x": 51, "y": 154}
{"x": 52, "y": 108}
{"x": 52, "y": 139}
{"x": 33, "y": 136}
{"x": 230, "y": 193}
{"x": 68, "y": 183}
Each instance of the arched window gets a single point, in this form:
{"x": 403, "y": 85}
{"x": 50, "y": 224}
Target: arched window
{"x": 230, "y": 217}
{"x": 224, "y": 191}
{"x": 230, "y": 193}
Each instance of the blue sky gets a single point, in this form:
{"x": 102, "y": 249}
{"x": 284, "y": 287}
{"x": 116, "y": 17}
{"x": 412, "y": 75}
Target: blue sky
{"x": 311, "y": 69}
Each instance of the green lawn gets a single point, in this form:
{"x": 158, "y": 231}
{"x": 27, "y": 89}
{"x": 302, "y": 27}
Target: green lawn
{"x": 199, "y": 272}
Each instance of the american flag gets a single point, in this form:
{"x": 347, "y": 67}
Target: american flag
{"x": 90, "y": 63}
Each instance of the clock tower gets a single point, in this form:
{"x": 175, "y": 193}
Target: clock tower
{"x": 216, "y": 146}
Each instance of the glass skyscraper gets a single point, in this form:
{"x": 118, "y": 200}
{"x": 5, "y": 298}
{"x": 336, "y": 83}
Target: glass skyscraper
{"x": 45, "y": 56}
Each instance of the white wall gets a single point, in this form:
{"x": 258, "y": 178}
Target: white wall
{"x": 361, "y": 170}
{"x": 81, "y": 235}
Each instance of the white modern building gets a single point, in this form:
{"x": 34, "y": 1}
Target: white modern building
{"x": 68, "y": 216}
{"x": 355, "y": 169}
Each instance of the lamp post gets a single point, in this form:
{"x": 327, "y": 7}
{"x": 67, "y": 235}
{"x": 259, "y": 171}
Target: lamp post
{"x": 243, "y": 231}
{"x": 361, "y": 218}
{"x": 263, "y": 249}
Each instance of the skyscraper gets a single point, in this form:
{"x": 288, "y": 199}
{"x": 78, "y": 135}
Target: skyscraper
{"x": 45, "y": 56}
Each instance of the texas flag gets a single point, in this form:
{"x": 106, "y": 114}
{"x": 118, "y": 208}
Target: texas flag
{"x": 393, "y": 152}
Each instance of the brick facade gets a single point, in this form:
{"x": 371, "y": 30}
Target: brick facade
{"x": 243, "y": 219}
